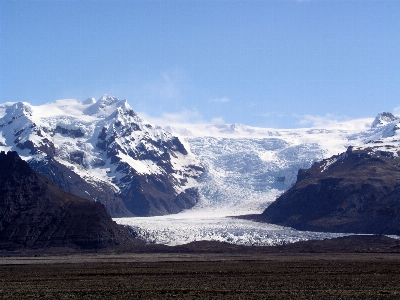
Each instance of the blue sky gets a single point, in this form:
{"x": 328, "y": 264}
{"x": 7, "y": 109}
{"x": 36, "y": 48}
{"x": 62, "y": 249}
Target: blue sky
{"x": 260, "y": 63}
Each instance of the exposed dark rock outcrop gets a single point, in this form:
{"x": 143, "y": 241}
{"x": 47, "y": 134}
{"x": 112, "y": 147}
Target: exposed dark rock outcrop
{"x": 358, "y": 191}
{"x": 35, "y": 213}
{"x": 154, "y": 195}
{"x": 72, "y": 183}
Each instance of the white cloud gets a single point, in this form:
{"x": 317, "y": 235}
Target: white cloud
{"x": 170, "y": 119}
{"x": 317, "y": 120}
{"x": 396, "y": 110}
{"x": 218, "y": 121}
{"x": 186, "y": 122}
{"x": 220, "y": 100}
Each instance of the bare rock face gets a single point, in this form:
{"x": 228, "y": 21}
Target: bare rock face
{"x": 355, "y": 192}
{"x": 72, "y": 183}
{"x": 35, "y": 213}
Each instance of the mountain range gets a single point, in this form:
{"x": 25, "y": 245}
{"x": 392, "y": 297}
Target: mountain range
{"x": 103, "y": 151}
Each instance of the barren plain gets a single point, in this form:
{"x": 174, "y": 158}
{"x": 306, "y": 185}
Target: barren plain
{"x": 345, "y": 268}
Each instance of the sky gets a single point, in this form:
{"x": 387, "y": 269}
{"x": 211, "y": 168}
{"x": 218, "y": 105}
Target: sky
{"x": 282, "y": 63}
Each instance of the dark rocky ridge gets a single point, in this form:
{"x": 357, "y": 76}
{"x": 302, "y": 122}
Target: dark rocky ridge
{"x": 149, "y": 195}
{"x": 145, "y": 195}
{"x": 72, "y": 183}
{"x": 356, "y": 192}
{"x": 35, "y": 213}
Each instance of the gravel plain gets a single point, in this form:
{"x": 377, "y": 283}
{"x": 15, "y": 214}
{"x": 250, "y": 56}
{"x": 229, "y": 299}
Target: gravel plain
{"x": 352, "y": 267}
{"x": 202, "y": 276}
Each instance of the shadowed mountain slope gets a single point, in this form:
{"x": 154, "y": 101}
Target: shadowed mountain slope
{"x": 35, "y": 213}
{"x": 357, "y": 191}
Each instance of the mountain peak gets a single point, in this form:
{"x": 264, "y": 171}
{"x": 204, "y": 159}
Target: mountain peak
{"x": 358, "y": 195}
{"x": 106, "y": 145}
{"x": 107, "y": 97}
{"x": 383, "y": 119}
{"x": 19, "y": 109}
{"x": 105, "y": 106}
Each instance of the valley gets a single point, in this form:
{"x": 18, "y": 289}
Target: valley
{"x": 177, "y": 184}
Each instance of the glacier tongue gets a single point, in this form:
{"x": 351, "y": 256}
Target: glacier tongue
{"x": 199, "y": 225}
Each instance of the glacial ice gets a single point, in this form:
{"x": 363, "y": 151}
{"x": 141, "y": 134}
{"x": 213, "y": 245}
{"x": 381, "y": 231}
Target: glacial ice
{"x": 243, "y": 176}
{"x": 245, "y": 172}
{"x": 201, "y": 225}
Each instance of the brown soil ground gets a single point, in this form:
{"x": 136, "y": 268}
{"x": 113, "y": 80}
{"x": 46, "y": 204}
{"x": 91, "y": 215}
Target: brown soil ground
{"x": 259, "y": 273}
{"x": 210, "y": 276}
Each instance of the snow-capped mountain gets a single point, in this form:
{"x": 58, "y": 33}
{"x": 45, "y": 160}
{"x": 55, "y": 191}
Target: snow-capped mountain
{"x": 102, "y": 150}
{"x": 382, "y": 119}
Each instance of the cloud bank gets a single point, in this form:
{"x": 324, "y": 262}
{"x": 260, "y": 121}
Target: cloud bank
{"x": 317, "y": 120}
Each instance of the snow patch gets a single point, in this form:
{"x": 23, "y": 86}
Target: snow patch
{"x": 140, "y": 166}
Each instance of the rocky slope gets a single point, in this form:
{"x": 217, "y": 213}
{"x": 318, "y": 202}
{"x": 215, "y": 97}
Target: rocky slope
{"x": 103, "y": 151}
{"x": 357, "y": 191}
{"x": 35, "y": 213}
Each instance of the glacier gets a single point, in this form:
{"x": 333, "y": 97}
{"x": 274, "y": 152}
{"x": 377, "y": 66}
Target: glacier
{"x": 247, "y": 168}
{"x": 200, "y": 224}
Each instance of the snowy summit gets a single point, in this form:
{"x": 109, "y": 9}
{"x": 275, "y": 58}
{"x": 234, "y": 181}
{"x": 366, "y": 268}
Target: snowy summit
{"x": 106, "y": 144}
